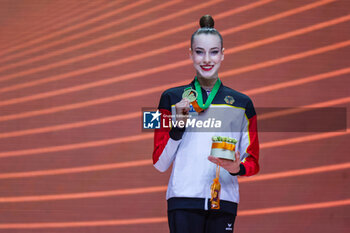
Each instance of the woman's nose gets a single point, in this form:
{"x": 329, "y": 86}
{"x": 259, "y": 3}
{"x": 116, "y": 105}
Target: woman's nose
{"x": 206, "y": 57}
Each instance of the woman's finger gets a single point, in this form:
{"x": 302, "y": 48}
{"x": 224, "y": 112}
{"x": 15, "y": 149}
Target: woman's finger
{"x": 237, "y": 156}
{"x": 214, "y": 160}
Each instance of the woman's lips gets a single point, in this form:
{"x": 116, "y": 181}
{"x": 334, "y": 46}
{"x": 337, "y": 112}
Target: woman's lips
{"x": 207, "y": 68}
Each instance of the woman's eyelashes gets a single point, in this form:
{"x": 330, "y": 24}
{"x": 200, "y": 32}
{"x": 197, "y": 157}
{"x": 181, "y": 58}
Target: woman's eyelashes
{"x": 201, "y": 52}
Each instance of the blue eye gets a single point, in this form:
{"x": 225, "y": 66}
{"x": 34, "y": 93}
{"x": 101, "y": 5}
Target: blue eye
{"x": 215, "y": 52}
{"x": 199, "y": 52}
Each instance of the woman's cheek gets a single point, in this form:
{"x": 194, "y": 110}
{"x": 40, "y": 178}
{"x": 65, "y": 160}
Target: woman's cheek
{"x": 198, "y": 60}
{"x": 216, "y": 59}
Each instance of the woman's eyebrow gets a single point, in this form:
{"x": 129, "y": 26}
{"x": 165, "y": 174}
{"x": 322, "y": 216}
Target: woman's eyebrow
{"x": 204, "y": 49}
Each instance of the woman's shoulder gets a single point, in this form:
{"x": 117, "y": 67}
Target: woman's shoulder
{"x": 172, "y": 95}
{"x": 175, "y": 90}
{"x": 236, "y": 95}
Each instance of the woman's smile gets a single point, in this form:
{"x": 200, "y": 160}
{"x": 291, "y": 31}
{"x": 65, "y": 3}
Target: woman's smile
{"x": 207, "y": 67}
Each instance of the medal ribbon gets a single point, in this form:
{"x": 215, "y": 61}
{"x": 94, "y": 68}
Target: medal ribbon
{"x": 211, "y": 95}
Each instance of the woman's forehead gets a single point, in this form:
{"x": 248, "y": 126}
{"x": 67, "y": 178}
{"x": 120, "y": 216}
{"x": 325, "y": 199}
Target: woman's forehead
{"x": 206, "y": 41}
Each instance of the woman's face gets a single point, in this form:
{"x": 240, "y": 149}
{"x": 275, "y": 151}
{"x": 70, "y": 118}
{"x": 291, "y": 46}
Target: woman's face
{"x": 206, "y": 54}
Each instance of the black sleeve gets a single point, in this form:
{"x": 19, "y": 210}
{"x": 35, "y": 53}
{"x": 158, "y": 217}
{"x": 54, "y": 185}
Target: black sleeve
{"x": 175, "y": 133}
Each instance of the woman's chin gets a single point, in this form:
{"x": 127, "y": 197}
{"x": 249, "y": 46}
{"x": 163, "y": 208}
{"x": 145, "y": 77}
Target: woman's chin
{"x": 212, "y": 74}
{"x": 206, "y": 75}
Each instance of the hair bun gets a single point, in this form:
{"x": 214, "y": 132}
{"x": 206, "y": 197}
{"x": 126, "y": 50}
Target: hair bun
{"x": 206, "y": 21}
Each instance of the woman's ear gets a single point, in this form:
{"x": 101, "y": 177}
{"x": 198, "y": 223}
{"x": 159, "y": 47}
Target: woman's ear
{"x": 222, "y": 51}
{"x": 190, "y": 53}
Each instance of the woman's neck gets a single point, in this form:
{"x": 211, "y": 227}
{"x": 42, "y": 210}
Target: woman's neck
{"x": 207, "y": 84}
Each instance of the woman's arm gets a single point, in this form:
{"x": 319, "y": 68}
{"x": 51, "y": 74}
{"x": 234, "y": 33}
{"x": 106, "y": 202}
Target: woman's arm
{"x": 166, "y": 140}
{"x": 249, "y": 145}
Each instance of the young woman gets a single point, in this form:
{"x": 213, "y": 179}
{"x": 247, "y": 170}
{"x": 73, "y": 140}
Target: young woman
{"x": 189, "y": 189}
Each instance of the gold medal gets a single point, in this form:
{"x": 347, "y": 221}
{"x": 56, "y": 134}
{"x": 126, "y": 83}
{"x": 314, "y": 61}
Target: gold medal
{"x": 190, "y": 94}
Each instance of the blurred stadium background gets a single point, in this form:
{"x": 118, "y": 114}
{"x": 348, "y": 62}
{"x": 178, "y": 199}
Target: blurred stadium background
{"x": 74, "y": 76}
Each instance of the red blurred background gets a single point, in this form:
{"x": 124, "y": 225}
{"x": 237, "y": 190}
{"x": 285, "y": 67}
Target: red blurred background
{"x": 74, "y": 76}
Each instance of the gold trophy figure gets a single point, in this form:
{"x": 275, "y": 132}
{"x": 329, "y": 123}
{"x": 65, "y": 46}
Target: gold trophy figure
{"x": 215, "y": 191}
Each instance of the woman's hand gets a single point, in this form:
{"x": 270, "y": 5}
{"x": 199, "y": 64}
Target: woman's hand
{"x": 182, "y": 111}
{"x": 229, "y": 165}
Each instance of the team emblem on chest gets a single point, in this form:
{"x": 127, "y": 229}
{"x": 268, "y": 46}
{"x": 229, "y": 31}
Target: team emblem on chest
{"x": 229, "y": 99}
